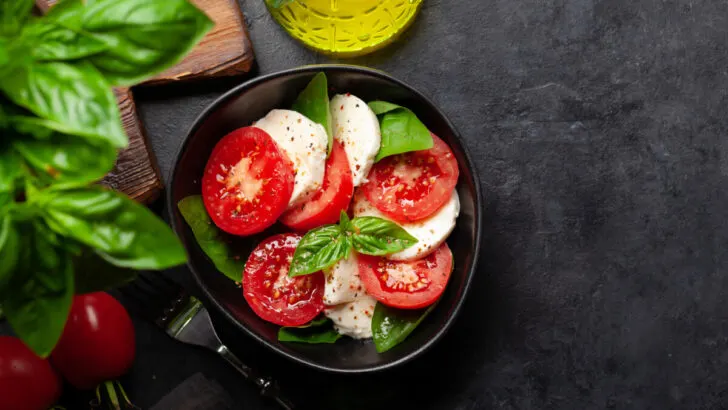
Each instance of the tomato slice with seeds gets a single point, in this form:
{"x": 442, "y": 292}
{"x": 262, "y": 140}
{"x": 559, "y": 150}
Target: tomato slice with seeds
{"x": 412, "y": 186}
{"x": 247, "y": 183}
{"x": 271, "y": 293}
{"x": 333, "y": 197}
{"x": 407, "y": 285}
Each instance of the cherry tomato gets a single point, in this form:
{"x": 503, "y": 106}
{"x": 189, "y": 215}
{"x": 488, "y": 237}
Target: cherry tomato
{"x": 412, "y": 186}
{"x": 407, "y": 285}
{"x": 247, "y": 183}
{"x": 97, "y": 344}
{"x": 27, "y": 382}
{"x": 271, "y": 293}
{"x": 333, "y": 197}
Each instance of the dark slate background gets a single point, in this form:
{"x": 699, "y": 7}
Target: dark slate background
{"x": 599, "y": 131}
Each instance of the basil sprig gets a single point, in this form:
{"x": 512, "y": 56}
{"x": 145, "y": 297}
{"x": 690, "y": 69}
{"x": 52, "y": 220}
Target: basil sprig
{"x": 401, "y": 130}
{"x": 313, "y": 103}
{"x": 322, "y": 247}
{"x": 315, "y": 332}
{"x": 211, "y": 238}
{"x": 391, "y": 326}
{"x": 61, "y": 130}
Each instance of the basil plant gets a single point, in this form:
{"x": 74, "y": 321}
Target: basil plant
{"x": 60, "y": 130}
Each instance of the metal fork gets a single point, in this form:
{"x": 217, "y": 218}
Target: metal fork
{"x": 184, "y": 318}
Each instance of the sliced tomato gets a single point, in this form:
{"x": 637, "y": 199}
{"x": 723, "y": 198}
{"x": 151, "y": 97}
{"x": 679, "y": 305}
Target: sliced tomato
{"x": 412, "y": 186}
{"x": 247, "y": 183}
{"x": 407, "y": 285}
{"x": 333, "y": 197}
{"x": 271, "y": 293}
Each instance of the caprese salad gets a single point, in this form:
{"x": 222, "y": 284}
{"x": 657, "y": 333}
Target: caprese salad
{"x": 367, "y": 196}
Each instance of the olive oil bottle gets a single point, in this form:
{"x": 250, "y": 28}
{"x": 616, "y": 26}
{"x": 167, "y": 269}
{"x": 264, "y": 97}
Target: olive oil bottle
{"x": 346, "y": 28}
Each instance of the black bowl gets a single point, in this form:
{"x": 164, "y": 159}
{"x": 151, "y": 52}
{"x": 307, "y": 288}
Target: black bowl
{"x": 251, "y": 101}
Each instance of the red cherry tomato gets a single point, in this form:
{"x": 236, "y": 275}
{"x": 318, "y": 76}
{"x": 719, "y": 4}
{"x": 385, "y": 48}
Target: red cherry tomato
{"x": 412, "y": 186}
{"x": 247, "y": 183}
{"x": 97, "y": 344}
{"x": 333, "y": 197}
{"x": 271, "y": 293}
{"x": 407, "y": 285}
{"x": 27, "y": 382}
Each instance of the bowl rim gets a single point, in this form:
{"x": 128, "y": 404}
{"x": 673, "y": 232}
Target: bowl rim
{"x": 219, "y": 101}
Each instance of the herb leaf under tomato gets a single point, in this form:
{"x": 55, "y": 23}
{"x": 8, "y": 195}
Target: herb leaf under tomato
{"x": 377, "y": 236}
{"x": 314, "y": 332}
{"x": 382, "y": 107}
{"x": 391, "y": 326}
{"x": 319, "y": 249}
{"x": 313, "y": 103}
{"x": 210, "y": 238}
{"x": 122, "y": 231}
{"x": 401, "y": 130}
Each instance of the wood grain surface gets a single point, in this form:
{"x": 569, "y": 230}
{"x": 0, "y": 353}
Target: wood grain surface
{"x": 136, "y": 173}
{"x": 225, "y": 51}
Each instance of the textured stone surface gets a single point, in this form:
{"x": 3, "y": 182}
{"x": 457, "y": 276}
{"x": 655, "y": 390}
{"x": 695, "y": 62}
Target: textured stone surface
{"x": 600, "y": 133}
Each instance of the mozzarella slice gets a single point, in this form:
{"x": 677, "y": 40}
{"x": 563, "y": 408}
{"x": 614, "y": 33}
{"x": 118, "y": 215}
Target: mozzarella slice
{"x": 342, "y": 281}
{"x": 430, "y": 232}
{"x": 304, "y": 142}
{"x": 354, "y": 318}
{"x": 356, "y": 126}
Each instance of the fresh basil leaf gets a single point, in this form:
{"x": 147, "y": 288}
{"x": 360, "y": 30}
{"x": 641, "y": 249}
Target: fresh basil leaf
{"x": 16, "y": 120}
{"x": 67, "y": 158}
{"x": 72, "y": 98}
{"x": 377, "y": 236}
{"x": 11, "y": 168}
{"x": 123, "y": 232}
{"x": 41, "y": 296}
{"x": 391, "y": 326}
{"x": 317, "y": 331}
{"x": 401, "y": 130}
{"x": 313, "y": 103}
{"x": 9, "y": 249}
{"x": 319, "y": 249}
{"x": 66, "y": 10}
{"x": 145, "y": 36}
{"x": 13, "y": 14}
{"x": 210, "y": 238}
{"x": 381, "y": 107}
{"x": 94, "y": 274}
{"x": 344, "y": 221}
{"x": 54, "y": 41}
{"x": 320, "y": 321}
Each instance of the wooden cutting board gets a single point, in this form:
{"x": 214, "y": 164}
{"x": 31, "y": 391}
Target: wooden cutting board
{"x": 226, "y": 50}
